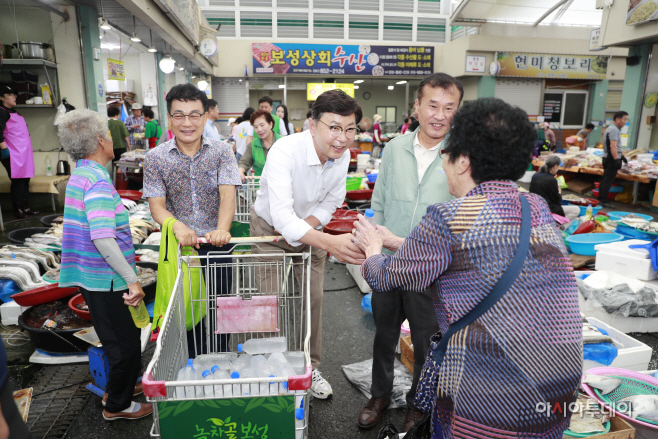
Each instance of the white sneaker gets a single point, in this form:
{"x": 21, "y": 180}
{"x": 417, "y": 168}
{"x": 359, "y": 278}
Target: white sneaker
{"x": 320, "y": 388}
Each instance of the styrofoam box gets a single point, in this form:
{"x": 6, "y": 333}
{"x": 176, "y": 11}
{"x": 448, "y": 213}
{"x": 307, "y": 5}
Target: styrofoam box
{"x": 619, "y": 258}
{"x": 621, "y": 323}
{"x": 633, "y": 354}
{"x": 355, "y": 271}
{"x": 10, "y": 311}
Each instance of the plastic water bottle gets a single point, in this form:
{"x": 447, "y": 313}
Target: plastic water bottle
{"x": 49, "y": 170}
{"x": 208, "y": 390}
{"x": 370, "y": 217}
{"x": 263, "y": 345}
{"x": 236, "y": 387}
{"x": 140, "y": 315}
{"x": 249, "y": 389}
{"x": 297, "y": 360}
{"x": 241, "y": 363}
{"x": 187, "y": 373}
{"x": 588, "y": 211}
{"x": 300, "y": 414}
{"x": 284, "y": 368}
{"x": 262, "y": 369}
{"x": 219, "y": 374}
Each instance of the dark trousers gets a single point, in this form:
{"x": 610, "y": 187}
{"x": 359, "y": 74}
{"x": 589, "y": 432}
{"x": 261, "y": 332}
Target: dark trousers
{"x": 610, "y": 169}
{"x": 20, "y": 187}
{"x": 17, "y": 428}
{"x": 118, "y": 152}
{"x": 390, "y": 309}
{"x": 221, "y": 282}
{"x": 121, "y": 340}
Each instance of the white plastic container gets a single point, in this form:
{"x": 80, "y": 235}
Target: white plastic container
{"x": 619, "y": 258}
{"x": 633, "y": 354}
{"x": 355, "y": 271}
{"x": 645, "y": 158}
{"x": 10, "y": 311}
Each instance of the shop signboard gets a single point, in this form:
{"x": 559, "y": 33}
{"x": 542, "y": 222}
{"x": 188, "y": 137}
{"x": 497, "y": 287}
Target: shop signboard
{"x": 641, "y": 11}
{"x": 115, "y": 70}
{"x": 595, "y": 40}
{"x": 552, "y": 107}
{"x": 342, "y": 59}
{"x": 475, "y": 64}
{"x": 313, "y": 90}
{"x": 541, "y": 65}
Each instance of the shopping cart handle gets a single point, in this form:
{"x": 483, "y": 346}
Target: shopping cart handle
{"x": 247, "y": 239}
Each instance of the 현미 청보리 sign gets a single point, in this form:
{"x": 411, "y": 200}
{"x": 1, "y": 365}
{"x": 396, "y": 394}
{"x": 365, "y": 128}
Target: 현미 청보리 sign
{"x": 342, "y": 59}
{"x": 541, "y": 65}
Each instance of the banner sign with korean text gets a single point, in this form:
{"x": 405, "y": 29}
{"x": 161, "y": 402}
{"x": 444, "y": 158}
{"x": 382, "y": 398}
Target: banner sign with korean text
{"x": 539, "y": 65}
{"x": 313, "y": 90}
{"x": 332, "y": 59}
{"x": 115, "y": 70}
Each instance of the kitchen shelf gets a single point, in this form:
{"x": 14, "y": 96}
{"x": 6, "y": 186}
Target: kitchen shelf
{"x": 28, "y": 63}
{"x": 34, "y": 106}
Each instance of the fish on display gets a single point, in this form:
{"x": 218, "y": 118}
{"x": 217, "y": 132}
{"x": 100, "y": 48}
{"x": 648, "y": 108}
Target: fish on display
{"x": 591, "y": 335}
{"x": 643, "y": 406}
{"x": 603, "y": 383}
{"x": 30, "y": 267}
{"x": 53, "y": 259}
{"x": 16, "y": 254}
{"x": 20, "y": 276}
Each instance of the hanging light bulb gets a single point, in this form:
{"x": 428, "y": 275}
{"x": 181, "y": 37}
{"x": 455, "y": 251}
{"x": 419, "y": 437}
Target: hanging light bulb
{"x": 104, "y": 24}
{"x": 151, "y": 48}
{"x": 135, "y": 38}
{"x": 202, "y": 85}
{"x": 168, "y": 64}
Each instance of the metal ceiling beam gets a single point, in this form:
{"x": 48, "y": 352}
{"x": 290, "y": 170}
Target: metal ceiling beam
{"x": 458, "y": 11}
{"x": 41, "y": 4}
{"x": 154, "y": 18}
{"x": 549, "y": 12}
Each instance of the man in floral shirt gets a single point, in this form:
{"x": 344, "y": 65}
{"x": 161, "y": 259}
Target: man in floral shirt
{"x": 192, "y": 178}
{"x": 136, "y": 124}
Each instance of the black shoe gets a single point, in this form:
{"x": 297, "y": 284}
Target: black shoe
{"x": 27, "y": 210}
{"x": 19, "y": 213}
{"x": 371, "y": 414}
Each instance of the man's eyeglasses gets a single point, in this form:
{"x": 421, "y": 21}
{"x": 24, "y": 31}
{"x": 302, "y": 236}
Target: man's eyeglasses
{"x": 194, "y": 116}
{"x": 336, "y": 131}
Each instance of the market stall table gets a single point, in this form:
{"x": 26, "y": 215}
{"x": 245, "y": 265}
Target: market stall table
{"x": 120, "y": 164}
{"x": 40, "y": 184}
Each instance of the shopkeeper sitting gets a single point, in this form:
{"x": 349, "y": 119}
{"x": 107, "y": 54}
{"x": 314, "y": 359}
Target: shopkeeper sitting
{"x": 544, "y": 183}
{"x": 256, "y": 152}
{"x": 16, "y": 152}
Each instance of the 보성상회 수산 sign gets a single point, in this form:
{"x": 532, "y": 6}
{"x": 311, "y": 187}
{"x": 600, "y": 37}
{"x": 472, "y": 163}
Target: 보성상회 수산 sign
{"x": 333, "y": 59}
{"x": 539, "y": 65}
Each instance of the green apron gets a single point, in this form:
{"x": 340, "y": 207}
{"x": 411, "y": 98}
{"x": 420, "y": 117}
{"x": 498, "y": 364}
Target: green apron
{"x": 258, "y": 154}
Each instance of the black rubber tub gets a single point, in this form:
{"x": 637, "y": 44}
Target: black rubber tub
{"x": 61, "y": 342}
{"x": 48, "y": 219}
{"x": 18, "y": 236}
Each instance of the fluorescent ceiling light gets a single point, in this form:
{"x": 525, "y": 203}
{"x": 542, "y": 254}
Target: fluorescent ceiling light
{"x": 390, "y": 87}
{"x": 401, "y": 82}
{"x": 358, "y": 81}
{"x": 103, "y": 23}
{"x": 152, "y": 49}
{"x": 282, "y": 86}
{"x": 181, "y": 68}
{"x": 356, "y": 87}
{"x": 135, "y": 38}
{"x": 108, "y": 46}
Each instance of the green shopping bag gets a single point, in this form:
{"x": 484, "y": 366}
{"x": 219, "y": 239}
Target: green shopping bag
{"x": 167, "y": 272}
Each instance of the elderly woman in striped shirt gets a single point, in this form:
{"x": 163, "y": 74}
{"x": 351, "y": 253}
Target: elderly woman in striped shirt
{"x": 520, "y": 353}
{"x": 98, "y": 257}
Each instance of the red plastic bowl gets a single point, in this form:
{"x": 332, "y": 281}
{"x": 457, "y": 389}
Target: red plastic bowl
{"x": 130, "y": 195}
{"x": 340, "y": 226}
{"x": 48, "y": 293}
{"x": 594, "y": 202}
{"x": 362, "y": 194}
{"x": 75, "y": 300}
{"x": 371, "y": 185}
{"x": 345, "y": 214}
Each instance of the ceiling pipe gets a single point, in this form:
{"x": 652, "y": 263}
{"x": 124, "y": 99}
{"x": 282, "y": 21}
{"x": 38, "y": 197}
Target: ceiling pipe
{"x": 458, "y": 11}
{"x": 549, "y": 12}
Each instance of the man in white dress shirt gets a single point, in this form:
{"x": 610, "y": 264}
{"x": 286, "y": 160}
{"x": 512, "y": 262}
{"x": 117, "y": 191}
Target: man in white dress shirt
{"x": 302, "y": 185}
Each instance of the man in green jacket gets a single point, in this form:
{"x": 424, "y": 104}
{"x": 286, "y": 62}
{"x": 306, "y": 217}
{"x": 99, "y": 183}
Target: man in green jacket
{"x": 410, "y": 179}
{"x": 267, "y": 104}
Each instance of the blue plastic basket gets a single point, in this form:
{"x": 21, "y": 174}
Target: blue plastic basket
{"x": 372, "y": 177}
{"x": 583, "y": 210}
{"x": 616, "y": 215}
{"x": 633, "y": 233}
{"x": 584, "y": 243}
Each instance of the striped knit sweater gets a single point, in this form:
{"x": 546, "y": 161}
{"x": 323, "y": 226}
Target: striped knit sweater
{"x": 524, "y": 352}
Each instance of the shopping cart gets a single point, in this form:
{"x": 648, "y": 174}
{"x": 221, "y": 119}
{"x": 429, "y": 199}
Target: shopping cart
{"x": 269, "y": 297}
{"x": 245, "y": 197}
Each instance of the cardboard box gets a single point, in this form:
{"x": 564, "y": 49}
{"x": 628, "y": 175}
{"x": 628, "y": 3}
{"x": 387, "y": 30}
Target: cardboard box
{"x": 407, "y": 356}
{"x": 619, "y": 429}
{"x": 580, "y": 186}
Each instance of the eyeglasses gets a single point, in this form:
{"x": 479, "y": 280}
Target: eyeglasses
{"x": 194, "y": 116}
{"x": 336, "y": 131}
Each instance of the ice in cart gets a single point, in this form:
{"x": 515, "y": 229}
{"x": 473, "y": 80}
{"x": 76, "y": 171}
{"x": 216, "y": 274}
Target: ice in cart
{"x": 268, "y": 297}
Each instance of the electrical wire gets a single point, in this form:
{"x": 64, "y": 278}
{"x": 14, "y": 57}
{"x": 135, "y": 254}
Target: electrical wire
{"x": 14, "y": 336}
{"x": 13, "y": 16}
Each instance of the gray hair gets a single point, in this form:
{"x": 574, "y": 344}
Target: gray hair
{"x": 549, "y": 163}
{"x": 79, "y": 131}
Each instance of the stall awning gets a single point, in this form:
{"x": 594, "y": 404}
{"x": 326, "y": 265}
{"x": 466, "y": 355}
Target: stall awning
{"x": 531, "y": 12}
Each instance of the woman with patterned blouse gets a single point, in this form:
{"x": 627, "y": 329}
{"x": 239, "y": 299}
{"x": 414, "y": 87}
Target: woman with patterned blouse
{"x": 525, "y": 353}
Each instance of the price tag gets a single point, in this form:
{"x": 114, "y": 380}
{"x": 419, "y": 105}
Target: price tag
{"x": 49, "y": 324}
